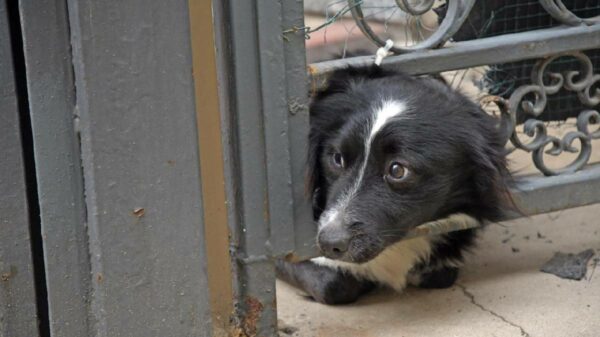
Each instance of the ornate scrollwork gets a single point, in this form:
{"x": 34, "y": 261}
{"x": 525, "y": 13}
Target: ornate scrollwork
{"x": 531, "y": 99}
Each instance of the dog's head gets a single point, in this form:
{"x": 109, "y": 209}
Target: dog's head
{"x": 389, "y": 152}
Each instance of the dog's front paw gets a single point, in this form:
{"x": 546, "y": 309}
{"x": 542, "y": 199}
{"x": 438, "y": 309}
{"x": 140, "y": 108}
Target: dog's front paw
{"x": 439, "y": 278}
{"x": 342, "y": 289}
{"x": 324, "y": 284}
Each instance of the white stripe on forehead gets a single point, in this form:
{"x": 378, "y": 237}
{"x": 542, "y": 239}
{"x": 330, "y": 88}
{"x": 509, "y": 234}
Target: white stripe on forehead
{"x": 383, "y": 114}
{"x": 380, "y": 116}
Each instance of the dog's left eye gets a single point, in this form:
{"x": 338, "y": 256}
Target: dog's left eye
{"x": 396, "y": 172}
{"x": 338, "y": 160}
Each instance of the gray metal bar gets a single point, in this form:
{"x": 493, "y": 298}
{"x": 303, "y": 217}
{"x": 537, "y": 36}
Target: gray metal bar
{"x": 18, "y": 313}
{"x": 133, "y": 74}
{"x": 536, "y": 194}
{"x": 256, "y": 276}
{"x": 500, "y": 49}
{"x": 58, "y": 166}
{"x": 266, "y": 125}
{"x": 304, "y": 230}
{"x": 275, "y": 117}
{"x": 254, "y": 201}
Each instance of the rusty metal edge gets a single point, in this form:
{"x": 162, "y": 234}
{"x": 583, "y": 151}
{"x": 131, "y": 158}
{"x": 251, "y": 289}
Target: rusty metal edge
{"x": 208, "y": 114}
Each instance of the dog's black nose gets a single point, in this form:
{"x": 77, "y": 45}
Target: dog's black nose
{"x": 334, "y": 243}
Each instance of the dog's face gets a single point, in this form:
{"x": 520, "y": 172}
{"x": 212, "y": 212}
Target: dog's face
{"x": 389, "y": 152}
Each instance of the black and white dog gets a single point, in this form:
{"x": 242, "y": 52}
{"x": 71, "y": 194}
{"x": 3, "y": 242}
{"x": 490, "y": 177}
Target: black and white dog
{"x": 388, "y": 152}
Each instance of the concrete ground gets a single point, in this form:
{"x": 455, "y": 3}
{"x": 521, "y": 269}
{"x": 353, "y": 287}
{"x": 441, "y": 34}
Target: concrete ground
{"x": 500, "y": 291}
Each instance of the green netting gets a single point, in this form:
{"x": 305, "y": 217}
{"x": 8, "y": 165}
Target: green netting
{"x": 497, "y": 17}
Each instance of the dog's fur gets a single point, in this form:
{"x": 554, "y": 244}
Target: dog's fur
{"x": 453, "y": 159}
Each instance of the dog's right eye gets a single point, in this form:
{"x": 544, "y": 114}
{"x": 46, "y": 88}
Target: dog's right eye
{"x": 396, "y": 173}
{"x": 337, "y": 160}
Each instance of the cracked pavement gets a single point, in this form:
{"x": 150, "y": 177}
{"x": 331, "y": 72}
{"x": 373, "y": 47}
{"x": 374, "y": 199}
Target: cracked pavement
{"x": 472, "y": 298}
{"x": 500, "y": 291}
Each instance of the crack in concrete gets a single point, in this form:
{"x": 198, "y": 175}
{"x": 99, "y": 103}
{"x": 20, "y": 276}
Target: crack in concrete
{"x": 471, "y": 297}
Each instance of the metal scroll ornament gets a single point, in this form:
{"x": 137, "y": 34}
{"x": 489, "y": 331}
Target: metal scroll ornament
{"x": 545, "y": 83}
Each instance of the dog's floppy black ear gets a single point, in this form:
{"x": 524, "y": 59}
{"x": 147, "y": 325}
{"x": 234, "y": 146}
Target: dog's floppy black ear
{"x": 491, "y": 177}
{"x": 339, "y": 80}
{"x": 315, "y": 181}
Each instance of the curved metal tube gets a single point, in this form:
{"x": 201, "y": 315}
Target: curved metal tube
{"x": 561, "y": 13}
{"x": 419, "y": 9}
{"x": 458, "y": 11}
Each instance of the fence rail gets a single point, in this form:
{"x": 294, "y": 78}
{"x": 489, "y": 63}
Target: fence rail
{"x": 460, "y": 55}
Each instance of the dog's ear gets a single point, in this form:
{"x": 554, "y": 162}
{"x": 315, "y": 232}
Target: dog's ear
{"x": 491, "y": 178}
{"x": 435, "y": 77}
{"x": 340, "y": 79}
{"x": 315, "y": 181}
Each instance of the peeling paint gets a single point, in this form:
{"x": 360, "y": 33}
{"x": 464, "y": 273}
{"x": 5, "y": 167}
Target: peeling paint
{"x": 314, "y": 79}
{"x": 295, "y": 106}
{"x": 139, "y": 212}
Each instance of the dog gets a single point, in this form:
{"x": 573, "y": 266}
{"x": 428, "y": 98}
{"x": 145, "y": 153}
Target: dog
{"x": 388, "y": 152}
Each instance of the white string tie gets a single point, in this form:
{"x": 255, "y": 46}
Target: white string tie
{"x": 383, "y": 52}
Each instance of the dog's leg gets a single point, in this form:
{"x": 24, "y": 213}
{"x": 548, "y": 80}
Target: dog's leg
{"x": 439, "y": 278}
{"x": 324, "y": 284}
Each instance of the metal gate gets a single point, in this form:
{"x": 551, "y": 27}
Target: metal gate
{"x": 153, "y": 153}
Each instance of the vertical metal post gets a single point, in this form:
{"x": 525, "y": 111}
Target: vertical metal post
{"x": 255, "y": 288}
{"x": 139, "y": 152}
{"x": 265, "y": 125}
{"x": 297, "y": 91}
{"x": 51, "y": 93}
{"x": 18, "y": 312}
